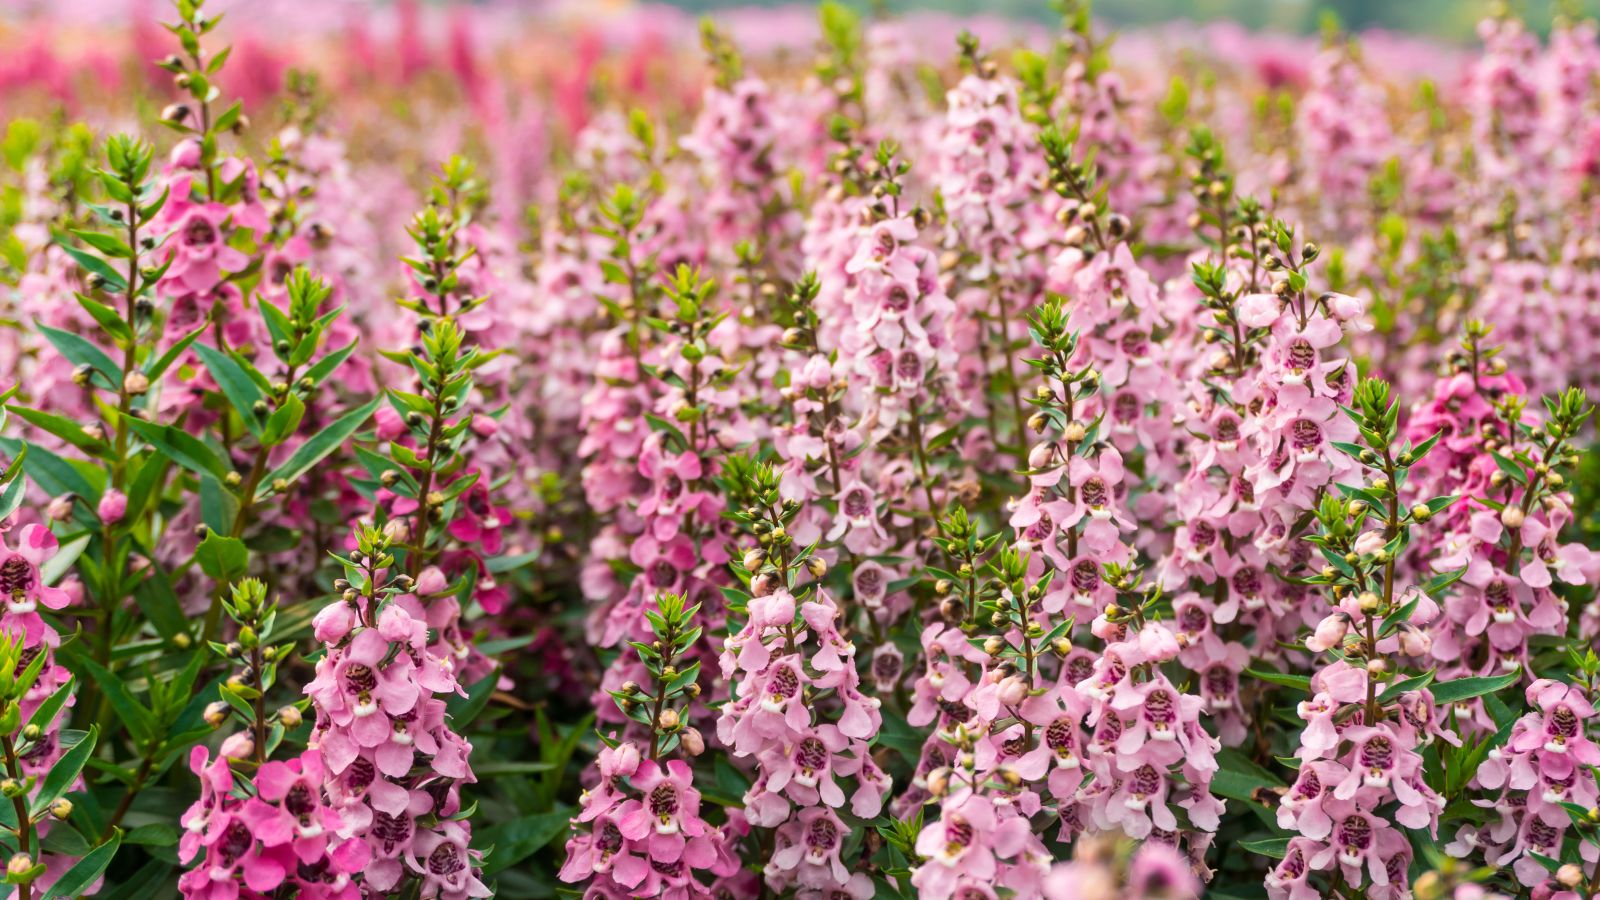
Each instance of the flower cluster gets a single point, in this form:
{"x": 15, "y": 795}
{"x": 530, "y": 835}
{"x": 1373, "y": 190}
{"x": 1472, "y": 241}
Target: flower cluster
{"x": 805, "y": 457}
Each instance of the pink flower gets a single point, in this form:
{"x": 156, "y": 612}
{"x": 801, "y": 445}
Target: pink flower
{"x": 113, "y": 504}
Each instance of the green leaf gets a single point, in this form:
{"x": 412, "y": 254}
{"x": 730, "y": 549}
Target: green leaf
{"x": 51, "y": 570}
{"x": 66, "y": 770}
{"x": 1467, "y": 688}
{"x": 165, "y": 361}
{"x": 240, "y": 389}
{"x": 284, "y": 420}
{"x": 463, "y": 710}
{"x": 899, "y": 736}
{"x": 113, "y": 247}
{"x": 62, "y": 427}
{"x": 159, "y": 603}
{"x": 322, "y": 443}
{"x": 223, "y": 558}
{"x": 327, "y": 364}
{"x": 1435, "y": 586}
{"x": 181, "y": 447}
{"x": 91, "y": 263}
{"x": 46, "y": 713}
{"x": 54, "y": 475}
{"x": 156, "y": 834}
{"x": 499, "y": 565}
{"x": 87, "y": 870}
{"x": 1405, "y": 684}
{"x": 1238, "y": 777}
{"x": 1301, "y": 682}
{"x": 11, "y": 494}
{"x": 108, "y": 319}
{"x": 1277, "y": 847}
{"x": 520, "y": 838}
{"x": 80, "y": 352}
{"x": 139, "y": 720}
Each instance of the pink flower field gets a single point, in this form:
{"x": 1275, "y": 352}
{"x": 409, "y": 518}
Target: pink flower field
{"x": 566, "y": 449}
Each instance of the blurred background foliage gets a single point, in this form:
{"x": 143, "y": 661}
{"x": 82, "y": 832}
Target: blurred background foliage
{"x": 1448, "y": 19}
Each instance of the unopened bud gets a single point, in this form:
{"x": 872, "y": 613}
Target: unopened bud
{"x": 693, "y": 743}
{"x": 62, "y": 808}
{"x": 290, "y": 717}
{"x": 1040, "y": 455}
{"x": 817, "y": 566}
{"x": 396, "y": 530}
{"x": 216, "y": 713}
{"x": 60, "y": 509}
{"x": 669, "y": 720}
{"x": 1512, "y": 517}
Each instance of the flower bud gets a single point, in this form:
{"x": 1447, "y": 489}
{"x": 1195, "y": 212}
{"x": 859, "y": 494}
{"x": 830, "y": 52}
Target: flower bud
{"x": 1569, "y": 875}
{"x": 18, "y": 867}
{"x": 1013, "y": 690}
{"x": 693, "y": 743}
{"x": 817, "y": 566}
{"x": 1415, "y": 642}
{"x": 396, "y": 531}
{"x": 290, "y": 717}
{"x": 1512, "y": 517}
{"x": 62, "y": 808}
{"x": 1330, "y": 631}
{"x": 669, "y": 719}
{"x": 238, "y": 746}
{"x": 950, "y": 610}
{"x": 60, "y": 508}
{"x": 217, "y": 713}
{"x": 1040, "y": 455}
{"x": 754, "y": 557}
